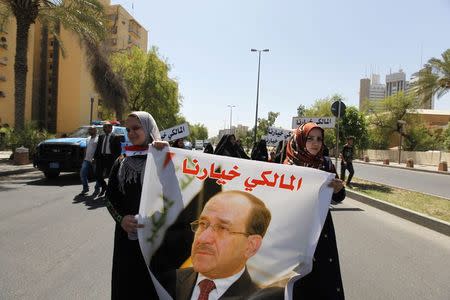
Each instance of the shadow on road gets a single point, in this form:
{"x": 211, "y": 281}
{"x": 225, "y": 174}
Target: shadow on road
{"x": 62, "y": 180}
{"x": 365, "y": 186}
{"x": 346, "y": 209}
{"x": 90, "y": 201}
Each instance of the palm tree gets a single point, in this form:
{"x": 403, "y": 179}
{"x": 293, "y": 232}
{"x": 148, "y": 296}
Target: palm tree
{"x": 85, "y": 18}
{"x": 434, "y": 78}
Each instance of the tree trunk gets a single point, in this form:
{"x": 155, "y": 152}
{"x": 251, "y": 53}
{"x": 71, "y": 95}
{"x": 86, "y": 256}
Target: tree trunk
{"x": 20, "y": 71}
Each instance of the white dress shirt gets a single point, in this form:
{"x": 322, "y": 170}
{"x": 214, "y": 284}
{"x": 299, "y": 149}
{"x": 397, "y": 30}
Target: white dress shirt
{"x": 91, "y": 145}
{"x": 222, "y": 285}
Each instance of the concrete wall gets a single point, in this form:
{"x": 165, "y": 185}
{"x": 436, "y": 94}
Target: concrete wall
{"x": 431, "y": 158}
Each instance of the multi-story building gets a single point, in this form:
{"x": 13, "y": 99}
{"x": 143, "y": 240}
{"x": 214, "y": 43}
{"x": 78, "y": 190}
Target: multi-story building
{"x": 238, "y": 131}
{"x": 396, "y": 82}
{"x": 7, "y": 55}
{"x": 371, "y": 92}
{"x": 125, "y": 31}
{"x": 60, "y": 94}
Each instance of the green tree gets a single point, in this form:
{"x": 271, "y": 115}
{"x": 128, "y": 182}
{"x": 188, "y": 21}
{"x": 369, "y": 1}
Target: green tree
{"x": 83, "y": 17}
{"x": 354, "y": 124}
{"x": 384, "y": 124}
{"x": 264, "y": 124}
{"x": 446, "y": 137}
{"x": 434, "y": 78}
{"x": 301, "y": 110}
{"x": 197, "y": 132}
{"x": 149, "y": 87}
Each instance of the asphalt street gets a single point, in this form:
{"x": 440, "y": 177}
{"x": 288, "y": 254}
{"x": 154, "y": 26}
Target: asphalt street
{"x": 54, "y": 245}
{"x": 424, "y": 182}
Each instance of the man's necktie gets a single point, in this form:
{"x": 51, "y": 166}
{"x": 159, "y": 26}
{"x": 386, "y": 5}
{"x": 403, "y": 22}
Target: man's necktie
{"x": 206, "y": 286}
{"x": 104, "y": 144}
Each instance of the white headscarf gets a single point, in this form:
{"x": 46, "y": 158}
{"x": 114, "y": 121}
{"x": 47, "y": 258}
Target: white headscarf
{"x": 132, "y": 167}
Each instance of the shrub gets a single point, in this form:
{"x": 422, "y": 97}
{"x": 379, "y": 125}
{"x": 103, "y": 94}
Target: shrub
{"x": 29, "y": 138}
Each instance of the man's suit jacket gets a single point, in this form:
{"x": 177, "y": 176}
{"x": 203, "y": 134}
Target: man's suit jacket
{"x": 114, "y": 145}
{"x": 241, "y": 289}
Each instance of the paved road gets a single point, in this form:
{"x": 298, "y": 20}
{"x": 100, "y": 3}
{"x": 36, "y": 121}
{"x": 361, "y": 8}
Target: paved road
{"x": 52, "y": 247}
{"x": 430, "y": 183}
{"x": 385, "y": 257}
{"x": 55, "y": 247}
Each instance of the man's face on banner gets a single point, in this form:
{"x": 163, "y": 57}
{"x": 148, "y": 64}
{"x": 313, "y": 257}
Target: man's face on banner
{"x": 221, "y": 246}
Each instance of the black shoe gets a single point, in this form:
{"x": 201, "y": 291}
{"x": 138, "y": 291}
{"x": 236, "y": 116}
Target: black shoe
{"x": 96, "y": 193}
{"x": 84, "y": 192}
{"x": 102, "y": 193}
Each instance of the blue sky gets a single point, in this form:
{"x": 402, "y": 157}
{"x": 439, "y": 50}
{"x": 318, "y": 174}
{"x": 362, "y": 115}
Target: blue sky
{"x": 317, "y": 48}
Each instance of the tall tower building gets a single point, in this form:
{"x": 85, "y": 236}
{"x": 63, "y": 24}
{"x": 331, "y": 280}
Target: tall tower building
{"x": 371, "y": 92}
{"x": 395, "y": 82}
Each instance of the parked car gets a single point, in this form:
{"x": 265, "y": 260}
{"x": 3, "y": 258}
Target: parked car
{"x": 54, "y": 156}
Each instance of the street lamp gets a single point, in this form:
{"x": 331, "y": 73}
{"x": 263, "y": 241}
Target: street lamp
{"x": 257, "y": 87}
{"x": 400, "y": 124}
{"x": 231, "y": 115}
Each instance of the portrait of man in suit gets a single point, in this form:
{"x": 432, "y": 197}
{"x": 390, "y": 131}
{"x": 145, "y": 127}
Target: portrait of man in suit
{"x": 229, "y": 231}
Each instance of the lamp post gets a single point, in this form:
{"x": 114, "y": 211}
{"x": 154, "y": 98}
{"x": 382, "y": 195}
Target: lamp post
{"x": 257, "y": 88}
{"x": 231, "y": 115}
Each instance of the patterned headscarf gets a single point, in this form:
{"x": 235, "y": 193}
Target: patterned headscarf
{"x": 132, "y": 167}
{"x": 296, "y": 152}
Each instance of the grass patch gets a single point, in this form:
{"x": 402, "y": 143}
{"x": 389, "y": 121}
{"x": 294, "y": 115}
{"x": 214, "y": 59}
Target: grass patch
{"x": 433, "y": 206}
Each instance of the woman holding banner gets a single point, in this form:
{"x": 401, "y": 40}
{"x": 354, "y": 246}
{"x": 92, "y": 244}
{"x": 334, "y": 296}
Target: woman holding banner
{"x": 130, "y": 277}
{"x": 305, "y": 148}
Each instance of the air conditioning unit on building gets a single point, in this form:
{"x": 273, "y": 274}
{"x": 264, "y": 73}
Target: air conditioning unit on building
{"x": 2, "y": 78}
{"x": 2, "y": 94}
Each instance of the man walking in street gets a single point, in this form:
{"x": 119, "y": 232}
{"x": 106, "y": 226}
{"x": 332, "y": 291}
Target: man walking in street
{"x": 86, "y": 166}
{"x": 347, "y": 160}
{"x": 107, "y": 151}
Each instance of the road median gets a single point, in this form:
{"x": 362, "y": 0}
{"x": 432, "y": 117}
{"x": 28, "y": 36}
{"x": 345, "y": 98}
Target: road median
{"x": 429, "y": 211}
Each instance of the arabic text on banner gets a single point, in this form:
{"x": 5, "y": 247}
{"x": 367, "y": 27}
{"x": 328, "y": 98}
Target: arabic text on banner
{"x": 275, "y": 135}
{"x": 176, "y": 132}
{"x": 298, "y": 199}
{"x": 324, "y": 122}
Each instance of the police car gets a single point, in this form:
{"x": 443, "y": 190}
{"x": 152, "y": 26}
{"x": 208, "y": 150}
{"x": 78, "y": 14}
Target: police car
{"x": 66, "y": 154}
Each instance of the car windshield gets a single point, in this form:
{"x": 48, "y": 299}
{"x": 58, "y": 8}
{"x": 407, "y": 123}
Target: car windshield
{"x": 82, "y": 132}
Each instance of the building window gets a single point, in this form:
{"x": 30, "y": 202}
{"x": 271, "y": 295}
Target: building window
{"x": 114, "y": 29}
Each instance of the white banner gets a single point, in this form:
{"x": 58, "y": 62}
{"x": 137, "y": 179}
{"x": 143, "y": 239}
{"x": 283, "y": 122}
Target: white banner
{"x": 297, "y": 197}
{"x": 176, "y": 132}
{"x": 275, "y": 135}
{"x": 324, "y": 122}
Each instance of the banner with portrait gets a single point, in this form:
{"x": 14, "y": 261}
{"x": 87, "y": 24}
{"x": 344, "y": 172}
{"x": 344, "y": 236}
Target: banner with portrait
{"x": 178, "y": 183}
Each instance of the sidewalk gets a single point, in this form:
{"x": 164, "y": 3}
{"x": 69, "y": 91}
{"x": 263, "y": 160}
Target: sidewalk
{"x": 421, "y": 168}
{"x": 7, "y": 166}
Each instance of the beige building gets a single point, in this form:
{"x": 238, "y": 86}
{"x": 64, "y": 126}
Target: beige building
{"x": 125, "y": 31}
{"x": 7, "y": 54}
{"x": 60, "y": 90}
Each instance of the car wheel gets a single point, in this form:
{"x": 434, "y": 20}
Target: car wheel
{"x": 51, "y": 174}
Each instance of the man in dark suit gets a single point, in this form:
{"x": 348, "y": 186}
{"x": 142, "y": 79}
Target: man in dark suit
{"x": 108, "y": 149}
{"x": 228, "y": 232}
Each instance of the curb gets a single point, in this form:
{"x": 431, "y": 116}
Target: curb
{"x": 17, "y": 171}
{"x": 415, "y": 217}
{"x": 404, "y": 168}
